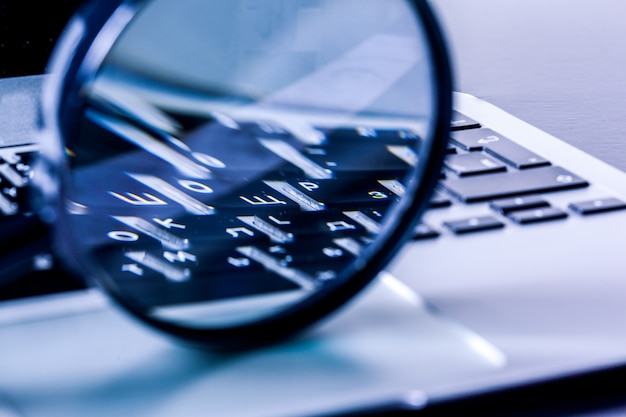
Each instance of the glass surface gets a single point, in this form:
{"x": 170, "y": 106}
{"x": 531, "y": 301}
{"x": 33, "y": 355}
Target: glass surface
{"x": 233, "y": 159}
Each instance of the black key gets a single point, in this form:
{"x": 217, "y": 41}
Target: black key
{"x": 22, "y": 239}
{"x": 439, "y": 200}
{"x": 349, "y": 159}
{"x": 319, "y": 257}
{"x": 15, "y": 170}
{"x": 18, "y": 154}
{"x": 474, "y": 224}
{"x": 460, "y": 121}
{"x": 499, "y": 146}
{"x": 12, "y": 176}
{"x": 253, "y": 198}
{"x": 325, "y": 223}
{"x": 251, "y": 278}
{"x": 343, "y": 193}
{"x": 473, "y": 164}
{"x": 231, "y": 150}
{"x": 214, "y": 232}
{"x": 368, "y": 218}
{"x": 518, "y": 203}
{"x": 29, "y": 281}
{"x": 537, "y": 215}
{"x": 424, "y": 231}
{"x": 166, "y": 197}
{"x": 451, "y": 149}
{"x": 490, "y": 187}
{"x": 599, "y": 205}
{"x": 7, "y": 206}
{"x": 360, "y": 134}
{"x": 265, "y": 129}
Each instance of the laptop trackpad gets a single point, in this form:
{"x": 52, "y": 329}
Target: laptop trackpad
{"x": 98, "y": 362}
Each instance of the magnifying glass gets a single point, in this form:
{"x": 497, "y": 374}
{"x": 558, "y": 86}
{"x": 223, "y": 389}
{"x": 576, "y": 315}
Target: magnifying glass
{"x": 231, "y": 171}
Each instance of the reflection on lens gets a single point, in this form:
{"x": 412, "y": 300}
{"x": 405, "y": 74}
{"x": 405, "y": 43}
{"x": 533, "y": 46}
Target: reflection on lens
{"x": 236, "y": 158}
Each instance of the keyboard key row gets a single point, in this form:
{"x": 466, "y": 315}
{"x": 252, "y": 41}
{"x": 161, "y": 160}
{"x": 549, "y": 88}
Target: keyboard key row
{"x": 521, "y": 210}
{"x": 499, "y": 146}
{"x": 15, "y": 173}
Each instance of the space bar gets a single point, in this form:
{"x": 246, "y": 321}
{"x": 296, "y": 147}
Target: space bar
{"x": 489, "y": 187}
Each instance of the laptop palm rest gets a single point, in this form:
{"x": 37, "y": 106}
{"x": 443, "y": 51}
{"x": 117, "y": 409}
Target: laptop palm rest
{"x": 80, "y": 356}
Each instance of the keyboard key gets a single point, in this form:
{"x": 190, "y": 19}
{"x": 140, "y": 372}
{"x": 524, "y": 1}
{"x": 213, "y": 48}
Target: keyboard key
{"x": 474, "y": 224}
{"x": 17, "y": 154}
{"x": 228, "y": 152}
{"x": 536, "y": 215}
{"x": 439, "y": 200}
{"x": 424, "y": 231}
{"x": 251, "y": 278}
{"x": 518, "y": 203}
{"x": 259, "y": 129}
{"x": 460, "y": 121}
{"x": 491, "y": 187}
{"x": 472, "y": 140}
{"x": 359, "y": 134}
{"x": 293, "y": 155}
{"x": 344, "y": 193}
{"x": 473, "y": 164}
{"x": 499, "y": 146}
{"x": 321, "y": 223}
{"x": 371, "y": 219}
{"x": 313, "y": 254}
{"x": 12, "y": 175}
{"x": 7, "y": 207}
{"x": 353, "y": 158}
{"x": 600, "y": 205}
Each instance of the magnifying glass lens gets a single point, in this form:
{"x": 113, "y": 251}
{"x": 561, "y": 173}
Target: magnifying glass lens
{"x": 236, "y": 169}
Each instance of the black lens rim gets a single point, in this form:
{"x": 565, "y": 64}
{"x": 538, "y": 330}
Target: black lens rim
{"x": 76, "y": 61}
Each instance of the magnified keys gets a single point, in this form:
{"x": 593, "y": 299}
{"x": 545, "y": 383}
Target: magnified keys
{"x": 229, "y": 182}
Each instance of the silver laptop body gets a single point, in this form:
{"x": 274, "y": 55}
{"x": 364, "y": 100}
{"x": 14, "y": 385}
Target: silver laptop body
{"x": 453, "y": 316}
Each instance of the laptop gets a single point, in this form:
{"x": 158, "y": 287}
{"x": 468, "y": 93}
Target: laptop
{"x": 513, "y": 279}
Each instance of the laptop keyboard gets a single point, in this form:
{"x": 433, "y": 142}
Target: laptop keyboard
{"x": 481, "y": 166}
{"x": 27, "y": 266}
{"x": 15, "y": 171}
{"x": 484, "y": 166}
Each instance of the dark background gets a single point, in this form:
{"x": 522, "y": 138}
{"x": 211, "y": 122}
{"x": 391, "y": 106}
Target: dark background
{"x": 28, "y": 32}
